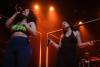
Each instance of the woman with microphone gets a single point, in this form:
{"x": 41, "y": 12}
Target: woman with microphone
{"x": 21, "y": 24}
{"x": 69, "y": 40}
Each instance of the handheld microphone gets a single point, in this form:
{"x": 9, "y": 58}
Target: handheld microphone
{"x": 49, "y": 41}
{"x": 18, "y": 8}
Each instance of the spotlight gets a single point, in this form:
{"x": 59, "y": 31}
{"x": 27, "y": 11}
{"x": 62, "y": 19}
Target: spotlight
{"x": 36, "y": 7}
{"x": 80, "y": 23}
{"x": 51, "y": 8}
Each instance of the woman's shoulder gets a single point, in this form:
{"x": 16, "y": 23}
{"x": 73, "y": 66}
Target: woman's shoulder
{"x": 76, "y": 32}
{"x": 31, "y": 23}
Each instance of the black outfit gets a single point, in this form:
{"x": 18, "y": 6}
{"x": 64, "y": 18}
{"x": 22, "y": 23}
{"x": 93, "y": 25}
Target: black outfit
{"x": 67, "y": 52}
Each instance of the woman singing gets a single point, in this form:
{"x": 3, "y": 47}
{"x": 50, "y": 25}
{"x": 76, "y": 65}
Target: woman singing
{"x": 69, "y": 40}
{"x": 22, "y": 24}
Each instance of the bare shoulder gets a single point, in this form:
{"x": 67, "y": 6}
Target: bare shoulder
{"x": 31, "y": 23}
{"x": 76, "y": 33}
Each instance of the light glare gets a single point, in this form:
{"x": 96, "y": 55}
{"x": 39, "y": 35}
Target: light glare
{"x": 51, "y": 8}
{"x": 36, "y": 6}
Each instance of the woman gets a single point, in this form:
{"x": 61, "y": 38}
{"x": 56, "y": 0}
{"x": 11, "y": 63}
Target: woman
{"x": 67, "y": 56}
{"x": 21, "y": 24}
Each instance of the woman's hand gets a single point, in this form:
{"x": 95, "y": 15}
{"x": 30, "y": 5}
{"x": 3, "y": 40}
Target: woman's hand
{"x": 49, "y": 41}
{"x": 9, "y": 22}
{"x": 91, "y": 42}
{"x": 18, "y": 12}
{"x": 26, "y": 25}
{"x": 31, "y": 28}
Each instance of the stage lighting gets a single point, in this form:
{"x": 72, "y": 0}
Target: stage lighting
{"x": 36, "y": 7}
{"x": 51, "y": 8}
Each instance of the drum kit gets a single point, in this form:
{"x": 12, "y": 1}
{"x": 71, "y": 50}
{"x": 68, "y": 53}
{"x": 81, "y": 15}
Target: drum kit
{"x": 90, "y": 61}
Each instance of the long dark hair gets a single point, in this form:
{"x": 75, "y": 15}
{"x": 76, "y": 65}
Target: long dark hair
{"x": 30, "y": 18}
{"x": 70, "y": 25}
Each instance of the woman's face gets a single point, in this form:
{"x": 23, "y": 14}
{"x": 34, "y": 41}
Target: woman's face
{"x": 25, "y": 12}
{"x": 65, "y": 25}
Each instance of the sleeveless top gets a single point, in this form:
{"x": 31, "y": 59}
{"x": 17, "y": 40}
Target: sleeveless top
{"x": 67, "y": 56}
{"x": 19, "y": 28}
{"x": 68, "y": 44}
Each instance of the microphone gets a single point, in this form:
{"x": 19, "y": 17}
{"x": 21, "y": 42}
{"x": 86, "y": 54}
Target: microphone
{"x": 49, "y": 41}
{"x": 18, "y": 8}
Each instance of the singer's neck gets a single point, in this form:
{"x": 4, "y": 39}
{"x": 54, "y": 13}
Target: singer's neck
{"x": 68, "y": 33}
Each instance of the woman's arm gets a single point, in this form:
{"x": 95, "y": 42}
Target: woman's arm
{"x": 80, "y": 41}
{"x": 31, "y": 28}
{"x": 55, "y": 44}
{"x": 9, "y": 22}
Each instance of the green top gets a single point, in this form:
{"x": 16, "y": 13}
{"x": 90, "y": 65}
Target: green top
{"x": 19, "y": 27}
